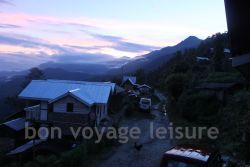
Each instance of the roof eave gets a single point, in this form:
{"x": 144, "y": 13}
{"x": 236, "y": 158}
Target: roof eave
{"x": 33, "y": 98}
{"x": 72, "y": 95}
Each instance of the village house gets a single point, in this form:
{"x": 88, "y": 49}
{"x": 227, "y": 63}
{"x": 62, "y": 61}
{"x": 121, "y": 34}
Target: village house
{"x": 145, "y": 89}
{"x": 64, "y": 103}
{"x": 129, "y": 83}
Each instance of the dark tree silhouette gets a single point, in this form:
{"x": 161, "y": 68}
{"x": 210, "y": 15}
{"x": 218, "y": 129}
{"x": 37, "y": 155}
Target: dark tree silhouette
{"x": 34, "y": 74}
{"x": 16, "y": 103}
{"x": 140, "y": 75}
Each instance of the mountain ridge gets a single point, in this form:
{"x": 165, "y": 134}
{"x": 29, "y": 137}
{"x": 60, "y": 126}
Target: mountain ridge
{"x": 148, "y": 62}
{"x": 154, "y": 59}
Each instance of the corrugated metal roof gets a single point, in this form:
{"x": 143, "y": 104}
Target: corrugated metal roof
{"x": 16, "y": 124}
{"x": 226, "y": 50}
{"x": 90, "y": 92}
{"x": 25, "y": 147}
{"x": 85, "y": 82}
{"x": 240, "y": 60}
{"x": 144, "y": 85}
{"x": 202, "y": 58}
{"x": 131, "y": 78}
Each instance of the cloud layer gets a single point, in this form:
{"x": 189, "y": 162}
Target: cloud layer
{"x": 38, "y": 39}
{"x": 33, "y": 32}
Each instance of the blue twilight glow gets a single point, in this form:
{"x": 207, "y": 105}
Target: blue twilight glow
{"x": 38, "y": 31}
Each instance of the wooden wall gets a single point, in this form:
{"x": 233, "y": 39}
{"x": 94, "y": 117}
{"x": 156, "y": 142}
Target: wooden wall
{"x": 61, "y": 105}
{"x": 68, "y": 118}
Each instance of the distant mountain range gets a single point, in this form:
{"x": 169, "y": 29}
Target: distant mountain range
{"x": 88, "y": 68}
{"x": 8, "y": 75}
{"x": 113, "y": 66}
{"x": 147, "y": 62}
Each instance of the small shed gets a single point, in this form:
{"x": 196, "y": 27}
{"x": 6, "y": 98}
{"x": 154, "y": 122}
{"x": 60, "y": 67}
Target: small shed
{"x": 14, "y": 129}
{"x": 11, "y": 128}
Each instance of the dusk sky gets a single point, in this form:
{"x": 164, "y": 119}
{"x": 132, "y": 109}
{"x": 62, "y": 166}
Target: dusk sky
{"x": 33, "y": 32}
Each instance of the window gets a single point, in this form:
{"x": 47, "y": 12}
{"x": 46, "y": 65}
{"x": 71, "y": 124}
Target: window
{"x": 70, "y": 107}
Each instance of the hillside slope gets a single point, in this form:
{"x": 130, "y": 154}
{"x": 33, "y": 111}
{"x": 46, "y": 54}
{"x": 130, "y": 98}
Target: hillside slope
{"x": 155, "y": 59}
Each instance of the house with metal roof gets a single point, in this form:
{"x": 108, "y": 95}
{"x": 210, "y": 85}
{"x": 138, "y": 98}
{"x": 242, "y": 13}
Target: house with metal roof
{"x": 145, "y": 89}
{"x": 72, "y": 102}
{"x": 129, "y": 82}
{"x": 131, "y": 79}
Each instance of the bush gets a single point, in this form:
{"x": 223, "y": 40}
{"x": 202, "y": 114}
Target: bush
{"x": 224, "y": 77}
{"x": 197, "y": 106}
{"x": 116, "y": 102}
{"x": 237, "y": 120}
{"x": 29, "y": 164}
{"x": 74, "y": 158}
{"x": 92, "y": 147}
{"x": 46, "y": 160}
{"x": 132, "y": 107}
{"x": 1, "y": 158}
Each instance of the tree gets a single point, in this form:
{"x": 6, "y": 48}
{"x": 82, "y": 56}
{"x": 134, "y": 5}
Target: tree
{"x": 140, "y": 75}
{"x": 34, "y": 74}
{"x": 218, "y": 58}
{"x": 117, "y": 80}
{"x": 175, "y": 85}
{"x": 14, "y": 101}
{"x": 181, "y": 67}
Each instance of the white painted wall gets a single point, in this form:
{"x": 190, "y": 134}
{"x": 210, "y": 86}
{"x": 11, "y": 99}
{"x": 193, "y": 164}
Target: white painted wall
{"x": 101, "y": 112}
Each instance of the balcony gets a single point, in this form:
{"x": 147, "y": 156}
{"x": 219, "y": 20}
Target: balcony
{"x": 35, "y": 114}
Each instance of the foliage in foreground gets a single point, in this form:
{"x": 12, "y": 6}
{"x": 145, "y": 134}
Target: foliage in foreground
{"x": 179, "y": 79}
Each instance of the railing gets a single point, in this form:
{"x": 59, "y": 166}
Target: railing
{"x": 33, "y": 113}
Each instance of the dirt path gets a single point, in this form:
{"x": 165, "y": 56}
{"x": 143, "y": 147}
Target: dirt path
{"x": 149, "y": 156}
